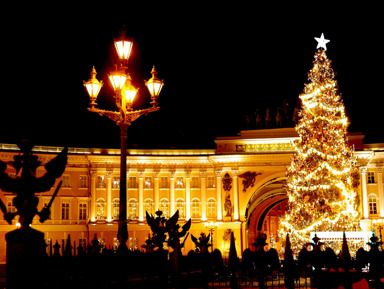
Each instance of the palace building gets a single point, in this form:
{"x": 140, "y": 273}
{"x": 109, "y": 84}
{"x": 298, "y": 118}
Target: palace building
{"x": 239, "y": 187}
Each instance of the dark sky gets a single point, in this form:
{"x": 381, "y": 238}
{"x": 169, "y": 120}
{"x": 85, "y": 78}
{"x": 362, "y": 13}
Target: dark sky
{"x": 219, "y": 62}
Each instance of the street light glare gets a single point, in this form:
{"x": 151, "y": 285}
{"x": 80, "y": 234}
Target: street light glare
{"x": 123, "y": 48}
{"x": 129, "y": 92}
{"x": 117, "y": 80}
{"x": 93, "y": 86}
{"x": 154, "y": 84}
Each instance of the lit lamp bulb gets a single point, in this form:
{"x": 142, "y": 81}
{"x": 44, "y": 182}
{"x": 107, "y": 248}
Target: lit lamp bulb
{"x": 93, "y": 87}
{"x": 123, "y": 45}
{"x": 154, "y": 86}
{"x": 129, "y": 92}
{"x": 117, "y": 79}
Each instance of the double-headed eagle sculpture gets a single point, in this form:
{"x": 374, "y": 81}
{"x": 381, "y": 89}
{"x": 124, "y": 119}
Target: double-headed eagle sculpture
{"x": 26, "y": 184}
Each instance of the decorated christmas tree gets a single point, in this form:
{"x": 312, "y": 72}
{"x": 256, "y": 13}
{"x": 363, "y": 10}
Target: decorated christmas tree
{"x": 322, "y": 177}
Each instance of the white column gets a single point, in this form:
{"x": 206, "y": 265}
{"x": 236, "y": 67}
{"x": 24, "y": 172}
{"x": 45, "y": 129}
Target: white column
{"x": 218, "y": 190}
{"x": 140, "y": 174}
{"x": 171, "y": 192}
{"x": 187, "y": 194}
{"x": 156, "y": 190}
{"x": 203, "y": 192}
{"x": 93, "y": 195}
{"x": 364, "y": 194}
{"x": 235, "y": 172}
{"x": 109, "y": 175}
{"x": 380, "y": 188}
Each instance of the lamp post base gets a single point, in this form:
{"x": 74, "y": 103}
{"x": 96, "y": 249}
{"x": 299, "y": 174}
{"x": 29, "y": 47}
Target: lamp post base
{"x": 122, "y": 235}
{"x": 25, "y": 252}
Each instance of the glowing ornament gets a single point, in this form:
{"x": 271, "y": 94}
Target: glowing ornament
{"x": 321, "y": 42}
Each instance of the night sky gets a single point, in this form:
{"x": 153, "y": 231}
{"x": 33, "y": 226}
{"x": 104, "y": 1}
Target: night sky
{"x": 219, "y": 63}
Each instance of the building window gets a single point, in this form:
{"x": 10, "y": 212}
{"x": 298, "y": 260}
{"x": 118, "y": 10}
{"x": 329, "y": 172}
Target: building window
{"x": 210, "y": 182}
{"x": 83, "y": 182}
{"x": 179, "y": 183}
{"x": 195, "y": 182}
{"x": 65, "y": 211}
{"x": 132, "y": 209}
{"x": 164, "y": 207}
{"x": 148, "y": 205}
{"x": 100, "y": 209}
{"x": 211, "y": 208}
{"x": 132, "y": 183}
{"x": 180, "y": 205}
{"x": 10, "y": 207}
{"x": 100, "y": 182}
{"x": 195, "y": 208}
{"x": 148, "y": 183}
{"x": 115, "y": 209}
{"x": 116, "y": 183}
{"x": 83, "y": 243}
{"x": 371, "y": 177}
{"x": 82, "y": 211}
{"x": 372, "y": 205}
{"x": 50, "y": 211}
{"x": 164, "y": 182}
{"x": 65, "y": 180}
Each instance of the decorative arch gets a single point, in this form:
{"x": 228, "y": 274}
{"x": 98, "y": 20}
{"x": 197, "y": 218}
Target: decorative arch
{"x": 262, "y": 194}
{"x": 266, "y": 196}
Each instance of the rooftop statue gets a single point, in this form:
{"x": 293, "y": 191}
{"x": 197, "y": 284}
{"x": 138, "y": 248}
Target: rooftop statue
{"x": 25, "y": 185}
{"x": 160, "y": 226}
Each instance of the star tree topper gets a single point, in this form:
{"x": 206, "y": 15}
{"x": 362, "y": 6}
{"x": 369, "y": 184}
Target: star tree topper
{"x": 321, "y": 42}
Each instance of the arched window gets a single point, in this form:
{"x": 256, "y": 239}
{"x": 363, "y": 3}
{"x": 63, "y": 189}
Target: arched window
{"x": 372, "y": 202}
{"x": 195, "y": 208}
{"x": 211, "y": 208}
{"x": 164, "y": 207}
{"x": 148, "y": 206}
{"x": 115, "y": 209}
{"x": 100, "y": 209}
{"x": 180, "y": 205}
{"x": 132, "y": 209}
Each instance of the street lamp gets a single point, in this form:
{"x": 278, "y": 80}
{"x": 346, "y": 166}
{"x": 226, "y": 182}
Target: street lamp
{"x": 211, "y": 226}
{"x": 378, "y": 223}
{"x": 125, "y": 92}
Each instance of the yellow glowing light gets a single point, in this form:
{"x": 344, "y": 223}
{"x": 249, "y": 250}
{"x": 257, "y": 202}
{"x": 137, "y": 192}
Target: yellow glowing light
{"x": 154, "y": 84}
{"x": 117, "y": 79}
{"x": 123, "y": 48}
{"x": 129, "y": 92}
{"x": 93, "y": 86}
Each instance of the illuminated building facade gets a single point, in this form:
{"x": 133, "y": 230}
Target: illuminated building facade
{"x": 239, "y": 187}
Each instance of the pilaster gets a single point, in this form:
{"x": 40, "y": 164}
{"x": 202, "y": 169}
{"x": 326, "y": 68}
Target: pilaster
{"x": 363, "y": 171}
{"x": 380, "y": 188}
{"x": 219, "y": 192}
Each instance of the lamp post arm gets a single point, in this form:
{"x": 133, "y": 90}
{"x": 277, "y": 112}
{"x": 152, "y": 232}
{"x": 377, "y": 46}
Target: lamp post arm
{"x": 131, "y": 116}
{"x": 123, "y": 117}
{"x": 113, "y": 115}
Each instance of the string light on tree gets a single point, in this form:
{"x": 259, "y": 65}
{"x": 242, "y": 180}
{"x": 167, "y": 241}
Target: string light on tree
{"x": 321, "y": 180}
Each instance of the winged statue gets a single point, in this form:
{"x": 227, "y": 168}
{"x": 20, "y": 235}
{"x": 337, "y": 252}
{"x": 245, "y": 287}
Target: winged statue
{"x": 26, "y": 184}
{"x": 160, "y": 227}
{"x": 202, "y": 244}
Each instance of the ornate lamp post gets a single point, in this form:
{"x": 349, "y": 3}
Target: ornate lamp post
{"x": 378, "y": 224}
{"x": 124, "y": 96}
{"x": 211, "y": 226}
